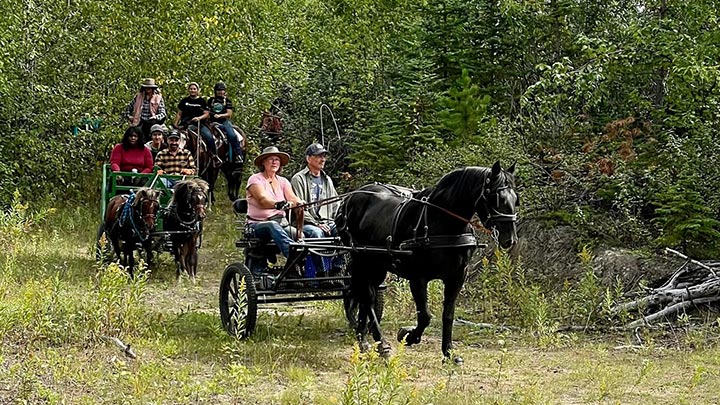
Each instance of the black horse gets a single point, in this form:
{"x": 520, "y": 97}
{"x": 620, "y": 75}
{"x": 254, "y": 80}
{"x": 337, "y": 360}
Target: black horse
{"x": 130, "y": 219}
{"x": 184, "y": 223}
{"x": 423, "y": 236}
{"x": 209, "y": 168}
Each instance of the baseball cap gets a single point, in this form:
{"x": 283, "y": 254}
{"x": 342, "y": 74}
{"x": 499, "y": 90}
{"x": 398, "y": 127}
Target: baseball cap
{"x": 315, "y": 149}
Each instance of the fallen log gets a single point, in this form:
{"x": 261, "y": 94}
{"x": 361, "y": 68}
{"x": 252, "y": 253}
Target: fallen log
{"x": 672, "y": 309}
{"x": 693, "y": 283}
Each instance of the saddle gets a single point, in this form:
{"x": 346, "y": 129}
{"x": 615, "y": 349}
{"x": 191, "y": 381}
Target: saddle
{"x": 221, "y": 138}
{"x": 218, "y": 134}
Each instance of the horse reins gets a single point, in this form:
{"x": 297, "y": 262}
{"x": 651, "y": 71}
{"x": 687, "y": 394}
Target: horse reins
{"x": 423, "y": 201}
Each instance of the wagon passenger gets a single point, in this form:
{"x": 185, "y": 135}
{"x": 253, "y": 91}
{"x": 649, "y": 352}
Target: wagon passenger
{"x": 268, "y": 194}
{"x": 174, "y": 160}
{"x": 130, "y": 155}
{"x": 147, "y": 108}
{"x": 157, "y": 142}
{"x": 313, "y": 184}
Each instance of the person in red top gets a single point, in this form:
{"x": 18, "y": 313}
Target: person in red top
{"x": 131, "y": 155}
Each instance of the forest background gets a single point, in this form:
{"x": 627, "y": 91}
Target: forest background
{"x": 610, "y": 108}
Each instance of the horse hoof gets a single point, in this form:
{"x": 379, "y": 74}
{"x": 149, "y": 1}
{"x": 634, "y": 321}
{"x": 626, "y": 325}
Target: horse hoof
{"x": 403, "y": 333}
{"x": 406, "y": 334}
{"x": 457, "y": 360}
{"x": 384, "y": 349}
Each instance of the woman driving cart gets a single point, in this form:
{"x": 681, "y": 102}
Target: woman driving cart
{"x": 268, "y": 196}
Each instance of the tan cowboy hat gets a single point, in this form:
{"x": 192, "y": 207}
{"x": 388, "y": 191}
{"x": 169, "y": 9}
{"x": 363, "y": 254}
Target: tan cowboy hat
{"x": 272, "y": 151}
{"x": 149, "y": 83}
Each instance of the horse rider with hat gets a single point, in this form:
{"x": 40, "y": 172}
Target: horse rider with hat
{"x": 147, "y": 108}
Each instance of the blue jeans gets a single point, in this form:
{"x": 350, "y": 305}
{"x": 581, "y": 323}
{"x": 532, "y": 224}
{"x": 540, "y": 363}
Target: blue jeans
{"x": 232, "y": 138}
{"x": 273, "y": 230}
{"x": 169, "y": 183}
{"x": 207, "y": 136}
{"x": 312, "y": 231}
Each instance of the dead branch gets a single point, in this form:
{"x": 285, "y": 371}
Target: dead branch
{"x": 672, "y": 309}
{"x": 693, "y": 283}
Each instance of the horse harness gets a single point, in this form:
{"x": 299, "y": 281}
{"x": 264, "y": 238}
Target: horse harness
{"x": 425, "y": 240}
{"x": 194, "y": 223}
{"x": 434, "y": 241}
{"x": 129, "y": 211}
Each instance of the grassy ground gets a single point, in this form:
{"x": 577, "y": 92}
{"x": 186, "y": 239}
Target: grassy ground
{"x": 58, "y": 308}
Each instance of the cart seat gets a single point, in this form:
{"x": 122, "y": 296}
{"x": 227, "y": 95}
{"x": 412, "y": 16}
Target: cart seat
{"x": 249, "y": 240}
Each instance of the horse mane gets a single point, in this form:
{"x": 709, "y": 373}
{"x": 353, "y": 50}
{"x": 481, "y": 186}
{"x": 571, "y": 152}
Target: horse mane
{"x": 185, "y": 188}
{"x": 145, "y": 193}
{"x": 468, "y": 180}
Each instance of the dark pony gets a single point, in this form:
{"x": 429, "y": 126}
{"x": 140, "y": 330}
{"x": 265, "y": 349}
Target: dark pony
{"x": 131, "y": 224}
{"x": 184, "y": 222}
{"x": 209, "y": 170}
{"x": 423, "y": 236}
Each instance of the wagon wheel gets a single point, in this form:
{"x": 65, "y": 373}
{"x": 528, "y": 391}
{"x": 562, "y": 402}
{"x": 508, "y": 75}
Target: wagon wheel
{"x": 351, "y": 308}
{"x": 104, "y": 253}
{"x": 238, "y": 301}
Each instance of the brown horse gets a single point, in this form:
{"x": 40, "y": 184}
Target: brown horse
{"x": 184, "y": 223}
{"x": 231, "y": 170}
{"x": 209, "y": 169}
{"x": 129, "y": 219}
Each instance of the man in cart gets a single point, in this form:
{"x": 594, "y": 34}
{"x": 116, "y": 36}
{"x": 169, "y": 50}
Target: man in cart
{"x": 174, "y": 160}
{"x": 312, "y": 184}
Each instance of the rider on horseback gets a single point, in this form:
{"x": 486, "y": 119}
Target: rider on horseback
{"x": 192, "y": 111}
{"x": 221, "y": 110}
{"x": 146, "y": 109}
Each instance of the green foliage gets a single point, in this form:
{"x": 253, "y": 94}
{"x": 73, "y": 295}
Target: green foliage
{"x": 603, "y": 104}
{"x": 463, "y": 111}
{"x": 686, "y": 221}
{"x": 372, "y": 380}
{"x": 19, "y": 220}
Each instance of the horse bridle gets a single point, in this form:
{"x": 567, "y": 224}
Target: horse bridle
{"x": 152, "y": 215}
{"x": 196, "y": 217}
{"x": 493, "y": 214}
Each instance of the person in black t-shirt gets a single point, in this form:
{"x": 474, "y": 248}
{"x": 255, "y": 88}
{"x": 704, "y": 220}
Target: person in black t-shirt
{"x": 221, "y": 110}
{"x": 192, "y": 111}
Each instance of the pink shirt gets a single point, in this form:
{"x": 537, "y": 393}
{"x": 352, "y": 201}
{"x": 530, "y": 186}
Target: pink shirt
{"x": 254, "y": 212}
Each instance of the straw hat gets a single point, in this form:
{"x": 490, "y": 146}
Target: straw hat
{"x": 272, "y": 151}
{"x": 149, "y": 82}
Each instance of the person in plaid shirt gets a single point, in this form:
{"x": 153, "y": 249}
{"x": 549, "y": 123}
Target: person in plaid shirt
{"x": 174, "y": 160}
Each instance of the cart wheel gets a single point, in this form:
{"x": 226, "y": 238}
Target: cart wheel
{"x": 104, "y": 253}
{"x": 351, "y": 308}
{"x": 238, "y": 302}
